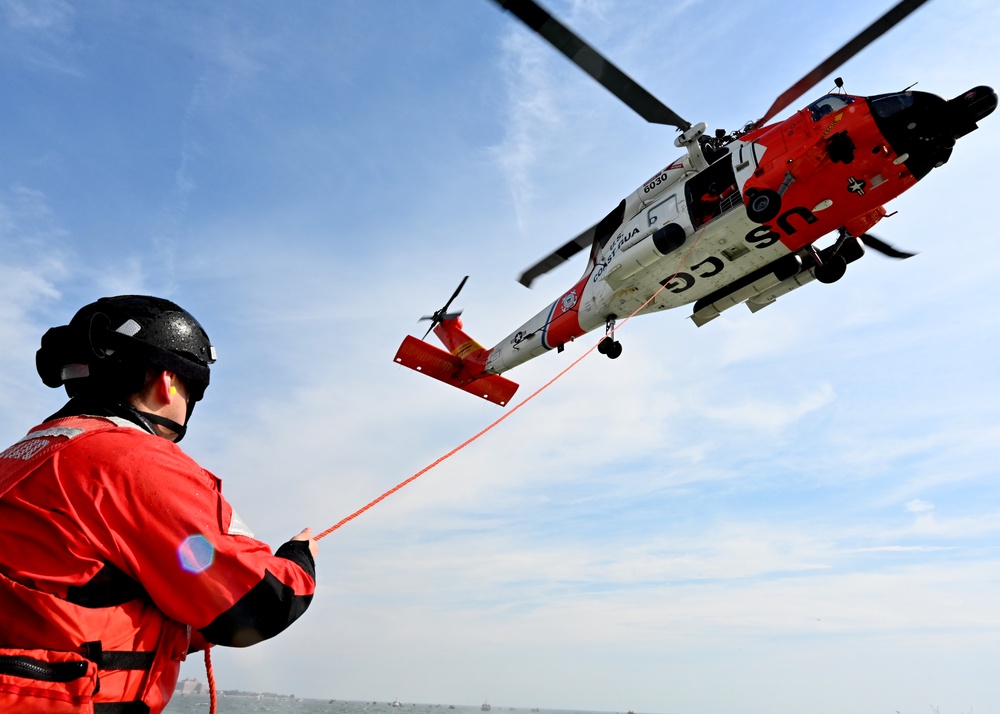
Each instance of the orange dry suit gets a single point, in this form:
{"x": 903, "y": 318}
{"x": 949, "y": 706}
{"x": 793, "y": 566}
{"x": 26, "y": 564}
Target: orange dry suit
{"x": 118, "y": 556}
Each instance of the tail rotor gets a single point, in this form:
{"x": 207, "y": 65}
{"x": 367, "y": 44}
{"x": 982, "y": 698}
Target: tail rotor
{"x": 441, "y": 315}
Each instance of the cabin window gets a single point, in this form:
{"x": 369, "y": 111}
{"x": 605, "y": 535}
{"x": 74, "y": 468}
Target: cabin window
{"x": 663, "y": 212}
{"x": 890, "y": 104}
{"x": 830, "y": 103}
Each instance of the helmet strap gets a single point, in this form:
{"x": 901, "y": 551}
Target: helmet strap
{"x": 179, "y": 429}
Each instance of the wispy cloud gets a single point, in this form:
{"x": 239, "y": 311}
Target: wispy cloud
{"x": 35, "y": 263}
{"x": 534, "y": 115}
{"x": 40, "y": 34}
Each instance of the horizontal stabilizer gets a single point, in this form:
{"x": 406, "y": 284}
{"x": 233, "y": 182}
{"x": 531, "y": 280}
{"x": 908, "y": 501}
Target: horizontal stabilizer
{"x": 446, "y": 367}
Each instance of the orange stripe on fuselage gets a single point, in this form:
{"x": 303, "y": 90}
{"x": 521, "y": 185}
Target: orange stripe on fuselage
{"x": 563, "y": 324}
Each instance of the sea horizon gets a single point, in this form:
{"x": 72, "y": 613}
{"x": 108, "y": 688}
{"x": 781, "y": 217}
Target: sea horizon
{"x": 247, "y": 702}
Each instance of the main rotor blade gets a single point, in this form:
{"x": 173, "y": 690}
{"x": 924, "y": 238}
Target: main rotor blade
{"x": 599, "y": 232}
{"x": 593, "y": 63}
{"x": 827, "y": 66}
{"x": 884, "y": 248}
{"x": 560, "y": 255}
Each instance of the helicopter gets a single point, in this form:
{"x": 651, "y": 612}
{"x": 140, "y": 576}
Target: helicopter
{"x": 735, "y": 220}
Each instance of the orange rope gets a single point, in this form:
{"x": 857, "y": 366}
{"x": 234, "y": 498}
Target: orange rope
{"x": 212, "y": 701}
{"x": 421, "y": 472}
{"x": 512, "y": 410}
{"x": 454, "y": 451}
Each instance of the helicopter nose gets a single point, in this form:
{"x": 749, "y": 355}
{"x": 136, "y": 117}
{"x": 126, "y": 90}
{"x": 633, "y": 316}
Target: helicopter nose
{"x": 924, "y": 127}
{"x": 968, "y": 108}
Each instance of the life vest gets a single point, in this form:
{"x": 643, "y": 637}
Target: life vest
{"x": 46, "y": 681}
{"x": 58, "y": 656}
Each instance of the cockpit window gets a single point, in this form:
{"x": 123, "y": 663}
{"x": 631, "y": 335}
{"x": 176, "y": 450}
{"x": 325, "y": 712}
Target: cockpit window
{"x": 830, "y": 103}
{"x": 890, "y": 104}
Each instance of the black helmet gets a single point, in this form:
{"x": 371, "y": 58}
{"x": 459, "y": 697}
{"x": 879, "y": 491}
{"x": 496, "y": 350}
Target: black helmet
{"x": 108, "y": 346}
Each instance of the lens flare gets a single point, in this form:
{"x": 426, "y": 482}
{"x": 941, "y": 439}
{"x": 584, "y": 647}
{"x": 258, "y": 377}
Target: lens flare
{"x": 196, "y": 553}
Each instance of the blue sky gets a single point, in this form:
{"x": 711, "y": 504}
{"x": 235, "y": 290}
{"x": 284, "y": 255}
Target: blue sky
{"x": 796, "y": 510}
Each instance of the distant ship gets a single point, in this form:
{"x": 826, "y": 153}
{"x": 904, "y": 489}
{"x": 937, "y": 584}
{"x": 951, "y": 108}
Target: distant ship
{"x": 396, "y": 703}
{"x": 486, "y": 706}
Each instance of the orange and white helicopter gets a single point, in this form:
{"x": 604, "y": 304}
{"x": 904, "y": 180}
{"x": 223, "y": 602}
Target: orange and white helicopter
{"x": 734, "y": 220}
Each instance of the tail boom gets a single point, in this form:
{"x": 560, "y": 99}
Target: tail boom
{"x": 467, "y": 372}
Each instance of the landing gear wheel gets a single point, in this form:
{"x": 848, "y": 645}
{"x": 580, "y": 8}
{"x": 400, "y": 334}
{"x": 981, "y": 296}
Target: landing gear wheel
{"x": 609, "y": 347}
{"x": 832, "y": 269}
{"x": 762, "y": 205}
